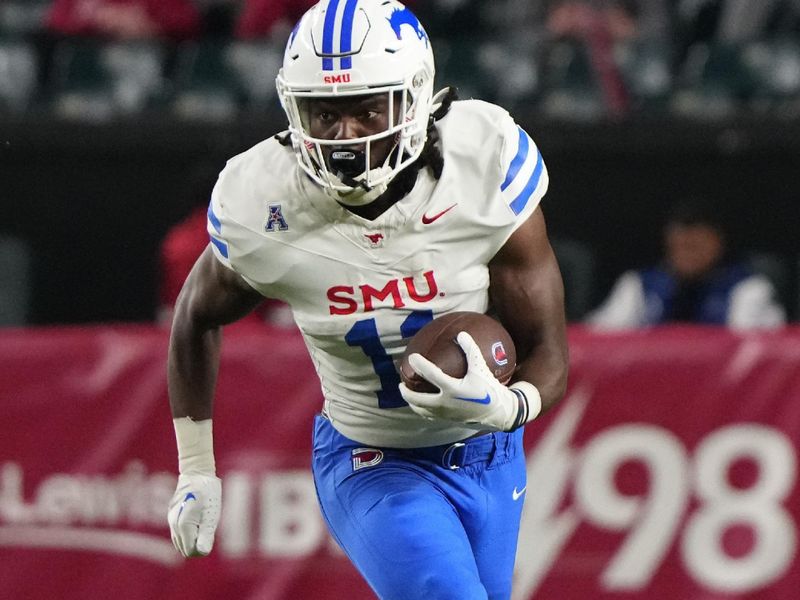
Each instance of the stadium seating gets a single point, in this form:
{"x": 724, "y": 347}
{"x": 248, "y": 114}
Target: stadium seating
{"x": 774, "y": 66}
{"x": 570, "y": 89}
{"x": 713, "y": 82}
{"x": 95, "y": 81}
{"x": 255, "y": 65}
{"x": 205, "y": 86}
{"x": 646, "y": 68}
{"x": 510, "y": 71}
{"x": 22, "y": 17}
{"x": 15, "y": 280}
{"x": 18, "y": 75}
{"x": 492, "y": 69}
{"x": 218, "y": 80}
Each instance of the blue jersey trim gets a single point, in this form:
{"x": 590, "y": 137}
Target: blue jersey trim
{"x": 518, "y": 204}
{"x": 519, "y": 159}
{"x": 214, "y": 220}
{"x": 221, "y": 246}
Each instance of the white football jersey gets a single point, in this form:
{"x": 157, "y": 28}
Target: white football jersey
{"x": 359, "y": 289}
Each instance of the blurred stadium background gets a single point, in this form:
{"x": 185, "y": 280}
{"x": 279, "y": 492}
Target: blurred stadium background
{"x": 107, "y": 143}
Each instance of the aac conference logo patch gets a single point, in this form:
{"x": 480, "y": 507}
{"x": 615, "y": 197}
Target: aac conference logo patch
{"x": 275, "y": 219}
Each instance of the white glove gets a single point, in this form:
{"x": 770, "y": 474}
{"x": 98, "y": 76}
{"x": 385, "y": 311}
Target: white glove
{"x": 195, "y": 507}
{"x": 478, "y": 399}
{"x": 194, "y": 513}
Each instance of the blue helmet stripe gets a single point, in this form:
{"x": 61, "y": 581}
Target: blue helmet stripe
{"x": 294, "y": 32}
{"x": 518, "y": 204}
{"x": 519, "y": 159}
{"x": 327, "y": 34}
{"x": 346, "y": 40}
{"x": 214, "y": 220}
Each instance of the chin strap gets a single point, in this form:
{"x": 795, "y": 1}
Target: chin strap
{"x": 361, "y": 194}
{"x": 358, "y": 197}
{"x": 438, "y": 101}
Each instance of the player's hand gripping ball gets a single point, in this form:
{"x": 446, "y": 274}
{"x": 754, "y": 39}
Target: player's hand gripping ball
{"x": 436, "y": 341}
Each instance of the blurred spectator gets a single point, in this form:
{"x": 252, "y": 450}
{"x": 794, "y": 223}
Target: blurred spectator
{"x": 620, "y": 19}
{"x": 125, "y": 19}
{"x": 698, "y": 282}
{"x": 179, "y": 250}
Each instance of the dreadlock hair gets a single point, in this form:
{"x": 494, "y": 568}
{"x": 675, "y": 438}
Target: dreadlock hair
{"x": 431, "y": 155}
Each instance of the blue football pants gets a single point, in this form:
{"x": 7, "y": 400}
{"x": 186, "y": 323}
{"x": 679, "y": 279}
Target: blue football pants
{"x": 414, "y": 526}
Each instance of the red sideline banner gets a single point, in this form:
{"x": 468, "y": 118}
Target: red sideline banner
{"x": 668, "y": 472}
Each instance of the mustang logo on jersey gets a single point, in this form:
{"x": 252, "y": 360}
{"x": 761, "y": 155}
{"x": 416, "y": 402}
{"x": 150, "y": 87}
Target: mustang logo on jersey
{"x": 375, "y": 239}
{"x": 344, "y": 299}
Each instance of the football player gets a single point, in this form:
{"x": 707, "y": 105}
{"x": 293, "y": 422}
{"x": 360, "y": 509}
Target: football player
{"x": 381, "y": 207}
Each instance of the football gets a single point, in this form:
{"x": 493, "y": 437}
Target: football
{"x": 436, "y": 341}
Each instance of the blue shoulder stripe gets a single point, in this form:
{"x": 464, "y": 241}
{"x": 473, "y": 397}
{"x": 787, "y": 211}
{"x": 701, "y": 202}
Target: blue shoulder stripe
{"x": 519, "y": 159}
{"x": 213, "y": 219}
{"x": 518, "y": 204}
{"x": 221, "y": 246}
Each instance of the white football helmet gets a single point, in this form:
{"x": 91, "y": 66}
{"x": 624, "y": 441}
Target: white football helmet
{"x": 350, "y": 48}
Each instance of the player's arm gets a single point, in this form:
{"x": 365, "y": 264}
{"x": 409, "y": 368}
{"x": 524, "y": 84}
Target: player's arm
{"x": 527, "y": 292}
{"x": 212, "y": 296}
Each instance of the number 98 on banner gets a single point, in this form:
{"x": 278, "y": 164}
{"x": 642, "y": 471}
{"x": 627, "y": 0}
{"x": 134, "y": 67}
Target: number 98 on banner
{"x": 691, "y": 503}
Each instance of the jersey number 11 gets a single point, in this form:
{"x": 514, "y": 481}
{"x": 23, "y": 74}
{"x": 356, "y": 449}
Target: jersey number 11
{"x": 364, "y": 334}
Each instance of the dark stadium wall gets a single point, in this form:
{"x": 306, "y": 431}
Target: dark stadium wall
{"x": 95, "y": 201}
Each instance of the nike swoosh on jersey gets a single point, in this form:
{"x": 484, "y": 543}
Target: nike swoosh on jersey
{"x": 426, "y": 220}
{"x": 485, "y": 400}
{"x": 516, "y": 494}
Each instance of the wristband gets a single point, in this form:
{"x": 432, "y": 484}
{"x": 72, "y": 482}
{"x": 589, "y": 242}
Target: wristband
{"x": 529, "y": 403}
{"x": 195, "y": 446}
